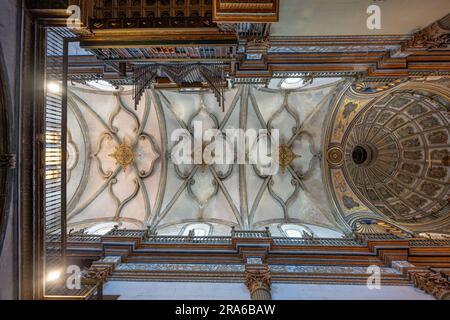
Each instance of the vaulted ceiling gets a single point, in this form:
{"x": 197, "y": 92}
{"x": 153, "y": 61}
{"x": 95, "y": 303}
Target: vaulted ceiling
{"x": 153, "y": 191}
{"x": 347, "y": 151}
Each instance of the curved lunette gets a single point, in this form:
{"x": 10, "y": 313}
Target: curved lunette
{"x": 6, "y": 175}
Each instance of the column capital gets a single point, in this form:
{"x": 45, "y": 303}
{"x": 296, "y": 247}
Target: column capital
{"x": 433, "y": 283}
{"x": 257, "y": 279}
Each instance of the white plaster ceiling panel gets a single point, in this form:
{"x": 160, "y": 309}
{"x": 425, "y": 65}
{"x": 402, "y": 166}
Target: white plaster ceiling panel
{"x": 122, "y": 182}
{"x": 296, "y": 193}
{"x": 349, "y": 17}
{"x": 155, "y": 192}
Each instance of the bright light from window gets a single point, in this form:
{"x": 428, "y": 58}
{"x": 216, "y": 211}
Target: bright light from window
{"x": 198, "y": 229}
{"x": 54, "y": 275}
{"x": 292, "y": 83}
{"x": 54, "y": 87}
{"x": 199, "y": 232}
{"x": 101, "y": 85}
{"x": 293, "y": 233}
{"x": 293, "y": 80}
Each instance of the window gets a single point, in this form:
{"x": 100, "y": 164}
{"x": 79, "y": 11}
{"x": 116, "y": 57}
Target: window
{"x": 101, "y": 228}
{"x": 295, "y": 231}
{"x": 200, "y": 229}
{"x": 291, "y": 233}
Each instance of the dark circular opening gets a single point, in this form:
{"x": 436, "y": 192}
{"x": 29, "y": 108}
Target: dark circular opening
{"x": 359, "y": 155}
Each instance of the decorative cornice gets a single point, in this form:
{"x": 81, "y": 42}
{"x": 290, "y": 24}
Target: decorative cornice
{"x": 432, "y": 283}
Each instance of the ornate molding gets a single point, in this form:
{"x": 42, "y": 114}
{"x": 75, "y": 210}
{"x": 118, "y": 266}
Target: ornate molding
{"x": 432, "y": 283}
{"x": 245, "y": 11}
{"x": 432, "y": 37}
{"x": 93, "y": 275}
{"x": 7, "y": 161}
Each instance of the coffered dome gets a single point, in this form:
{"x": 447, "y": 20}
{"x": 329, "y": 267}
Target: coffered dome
{"x": 396, "y": 156}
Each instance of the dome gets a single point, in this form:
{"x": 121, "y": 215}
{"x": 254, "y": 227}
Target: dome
{"x": 396, "y": 155}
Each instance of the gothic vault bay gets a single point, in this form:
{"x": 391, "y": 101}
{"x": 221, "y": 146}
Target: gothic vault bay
{"x": 181, "y": 149}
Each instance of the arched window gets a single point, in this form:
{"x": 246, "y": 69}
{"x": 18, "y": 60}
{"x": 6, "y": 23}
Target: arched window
{"x": 295, "y": 231}
{"x": 101, "y": 228}
{"x": 199, "y": 229}
{"x": 292, "y": 233}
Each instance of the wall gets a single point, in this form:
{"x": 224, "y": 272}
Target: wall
{"x": 136, "y": 290}
{"x": 345, "y": 292}
{"x": 8, "y": 41}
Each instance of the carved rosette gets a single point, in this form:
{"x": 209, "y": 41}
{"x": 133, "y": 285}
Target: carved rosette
{"x": 7, "y": 160}
{"x": 258, "y": 281}
{"x": 432, "y": 283}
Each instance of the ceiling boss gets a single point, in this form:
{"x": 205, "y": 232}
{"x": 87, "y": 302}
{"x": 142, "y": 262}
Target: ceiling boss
{"x": 124, "y": 155}
{"x": 286, "y": 156}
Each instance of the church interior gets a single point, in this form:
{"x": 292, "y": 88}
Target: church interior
{"x": 351, "y": 96}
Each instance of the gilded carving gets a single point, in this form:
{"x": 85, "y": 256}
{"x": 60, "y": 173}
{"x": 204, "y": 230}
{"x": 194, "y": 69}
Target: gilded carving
{"x": 432, "y": 37}
{"x": 334, "y": 155}
{"x": 258, "y": 279}
{"x": 432, "y": 283}
{"x": 285, "y": 156}
{"x": 124, "y": 155}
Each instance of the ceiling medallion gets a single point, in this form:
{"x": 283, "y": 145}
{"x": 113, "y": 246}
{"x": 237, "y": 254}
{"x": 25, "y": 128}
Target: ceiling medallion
{"x": 335, "y": 155}
{"x": 124, "y": 155}
{"x": 285, "y": 156}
